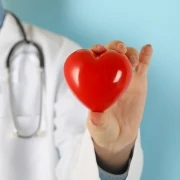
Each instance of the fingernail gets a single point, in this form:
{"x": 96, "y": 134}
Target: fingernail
{"x": 147, "y": 49}
{"x": 134, "y": 68}
{"x": 132, "y": 59}
{"x": 120, "y": 46}
{"x": 100, "y": 47}
{"x": 95, "y": 121}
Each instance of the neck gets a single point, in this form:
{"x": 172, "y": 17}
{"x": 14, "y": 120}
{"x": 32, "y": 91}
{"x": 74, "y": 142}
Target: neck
{"x": 2, "y": 13}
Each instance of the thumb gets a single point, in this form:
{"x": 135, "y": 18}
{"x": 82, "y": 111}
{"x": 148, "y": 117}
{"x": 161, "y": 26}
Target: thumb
{"x": 97, "y": 120}
{"x": 97, "y": 124}
{"x": 103, "y": 127}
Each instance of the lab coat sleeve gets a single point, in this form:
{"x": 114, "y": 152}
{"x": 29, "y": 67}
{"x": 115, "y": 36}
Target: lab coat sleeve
{"x": 108, "y": 176}
{"x": 73, "y": 140}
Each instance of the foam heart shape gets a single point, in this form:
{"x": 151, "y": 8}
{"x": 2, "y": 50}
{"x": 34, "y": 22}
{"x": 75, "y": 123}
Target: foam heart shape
{"x": 97, "y": 80}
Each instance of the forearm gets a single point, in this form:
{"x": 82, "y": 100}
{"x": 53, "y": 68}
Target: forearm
{"x": 114, "y": 163}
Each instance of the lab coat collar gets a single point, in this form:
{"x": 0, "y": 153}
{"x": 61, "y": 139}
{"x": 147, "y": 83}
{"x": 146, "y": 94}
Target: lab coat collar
{"x": 9, "y": 35}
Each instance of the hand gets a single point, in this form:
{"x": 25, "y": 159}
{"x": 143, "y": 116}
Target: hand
{"x": 115, "y": 130}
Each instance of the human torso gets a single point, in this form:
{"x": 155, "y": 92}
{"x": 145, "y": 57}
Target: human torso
{"x": 33, "y": 158}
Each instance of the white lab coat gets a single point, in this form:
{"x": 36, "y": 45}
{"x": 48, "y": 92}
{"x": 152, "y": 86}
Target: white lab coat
{"x": 36, "y": 158}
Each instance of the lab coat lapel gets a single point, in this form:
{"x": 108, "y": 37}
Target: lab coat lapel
{"x": 24, "y": 159}
{"x": 9, "y": 35}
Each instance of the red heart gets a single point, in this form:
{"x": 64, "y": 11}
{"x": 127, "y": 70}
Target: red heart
{"x": 97, "y": 80}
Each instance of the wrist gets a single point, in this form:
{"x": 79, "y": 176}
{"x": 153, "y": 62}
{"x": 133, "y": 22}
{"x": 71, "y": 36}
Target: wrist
{"x": 115, "y": 163}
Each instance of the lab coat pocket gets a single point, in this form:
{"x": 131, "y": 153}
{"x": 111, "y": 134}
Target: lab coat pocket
{"x": 26, "y": 87}
{"x": 26, "y": 98}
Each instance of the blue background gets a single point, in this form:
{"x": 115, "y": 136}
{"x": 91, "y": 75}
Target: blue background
{"x": 136, "y": 22}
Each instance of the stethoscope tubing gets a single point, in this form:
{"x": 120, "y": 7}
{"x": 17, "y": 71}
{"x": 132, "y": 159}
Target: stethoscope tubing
{"x": 42, "y": 67}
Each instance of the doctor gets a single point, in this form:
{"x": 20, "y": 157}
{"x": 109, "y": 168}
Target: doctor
{"x": 109, "y": 148}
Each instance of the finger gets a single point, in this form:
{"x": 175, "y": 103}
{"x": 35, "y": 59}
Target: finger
{"x": 144, "y": 59}
{"x": 130, "y": 52}
{"x": 98, "y": 48}
{"x": 118, "y": 46}
{"x": 133, "y": 56}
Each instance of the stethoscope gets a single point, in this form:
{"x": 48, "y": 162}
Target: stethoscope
{"x": 19, "y": 44}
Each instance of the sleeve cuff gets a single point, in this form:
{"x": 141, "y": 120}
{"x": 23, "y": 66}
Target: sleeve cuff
{"x": 108, "y": 176}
